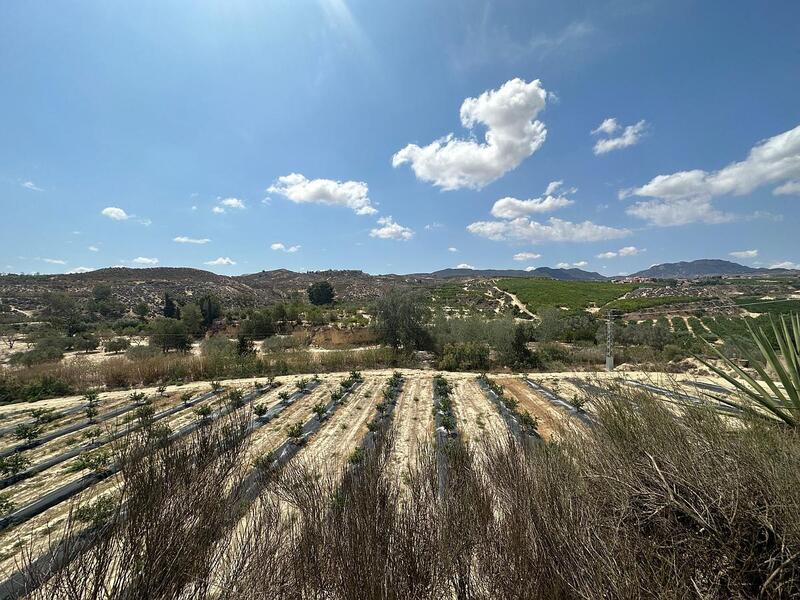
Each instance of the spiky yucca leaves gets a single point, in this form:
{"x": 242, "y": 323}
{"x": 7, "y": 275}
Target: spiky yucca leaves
{"x": 779, "y": 404}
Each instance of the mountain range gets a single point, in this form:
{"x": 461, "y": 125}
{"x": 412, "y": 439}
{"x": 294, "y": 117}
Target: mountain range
{"x": 149, "y": 285}
{"x": 705, "y": 268}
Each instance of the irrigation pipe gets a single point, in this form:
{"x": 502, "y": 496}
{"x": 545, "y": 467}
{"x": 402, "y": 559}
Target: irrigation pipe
{"x": 558, "y": 401}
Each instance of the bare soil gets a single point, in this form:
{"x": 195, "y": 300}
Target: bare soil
{"x": 549, "y": 418}
{"x": 413, "y": 418}
{"x": 332, "y": 445}
{"x": 476, "y": 415}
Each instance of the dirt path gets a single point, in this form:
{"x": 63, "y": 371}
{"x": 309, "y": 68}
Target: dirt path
{"x": 332, "y": 445}
{"x": 477, "y": 417}
{"x": 689, "y": 326}
{"x": 413, "y": 419}
{"x": 549, "y": 418}
{"x": 516, "y": 302}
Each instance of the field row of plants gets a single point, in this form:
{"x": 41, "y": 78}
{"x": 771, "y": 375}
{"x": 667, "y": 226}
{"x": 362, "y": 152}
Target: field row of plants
{"x": 574, "y": 295}
{"x": 616, "y": 495}
{"x": 636, "y": 304}
{"x": 755, "y": 304}
{"x": 528, "y": 424}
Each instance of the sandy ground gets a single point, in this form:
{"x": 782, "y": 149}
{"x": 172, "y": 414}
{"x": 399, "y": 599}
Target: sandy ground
{"x": 413, "y": 423}
{"x": 550, "y": 419}
{"x": 475, "y": 414}
{"x": 270, "y": 436}
{"x": 332, "y": 445}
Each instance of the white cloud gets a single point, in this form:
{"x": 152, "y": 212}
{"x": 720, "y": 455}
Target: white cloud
{"x": 787, "y": 264}
{"x": 54, "y": 261}
{"x": 94, "y": 249}
{"x": 452, "y": 249}
{"x": 233, "y": 203}
{"x": 744, "y": 253}
{"x": 529, "y": 269}
{"x": 626, "y": 251}
{"x": 678, "y": 212}
{"x": 218, "y": 210}
{"x": 182, "y": 239}
{"x": 29, "y": 185}
{"x": 301, "y": 190}
{"x": 790, "y": 188}
{"x": 80, "y": 270}
{"x": 115, "y": 213}
{"x": 685, "y": 196}
{"x": 563, "y": 265}
{"x": 221, "y": 261}
{"x": 630, "y": 251}
{"x": 630, "y": 136}
{"x": 465, "y": 266}
{"x": 284, "y": 248}
{"x": 143, "y": 260}
{"x": 512, "y": 135}
{"x": 432, "y": 226}
{"x": 608, "y": 126}
{"x": 580, "y": 264}
{"x": 521, "y": 256}
{"x": 554, "y": 230}
{"x": 511, "y": 208}
{"x": 553, "y": 186}
{"x": 391, "y": 230}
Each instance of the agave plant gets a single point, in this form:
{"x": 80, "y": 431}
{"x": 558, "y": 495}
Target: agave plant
{"x": 782, "y": 404}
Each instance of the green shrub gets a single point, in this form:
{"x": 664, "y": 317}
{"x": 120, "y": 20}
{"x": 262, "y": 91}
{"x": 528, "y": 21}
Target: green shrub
{"x": 356, "y": 456}
{"x": 6, "y": 505}
{"x": 295, "y": 431}
{"x": 117, "y": 345}
{"x": 13, "y": 463}
{"x": 27, "y": 431}
{"x": 466, "y": 356}
{"x": 96, "y": 461}
{"x": 99, "y": 512}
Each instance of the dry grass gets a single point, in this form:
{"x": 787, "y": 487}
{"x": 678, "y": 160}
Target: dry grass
{"x": 121, "y": 372}
{"x": 645, "y": 505}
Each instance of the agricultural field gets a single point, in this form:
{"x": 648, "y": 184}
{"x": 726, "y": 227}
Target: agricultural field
{"x": 635, "y": 304}
{"x": 572, "y": 295}
{"x": 332, "y": 425}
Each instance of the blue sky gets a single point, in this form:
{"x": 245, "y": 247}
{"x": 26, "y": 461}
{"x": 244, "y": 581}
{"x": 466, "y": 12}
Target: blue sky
{"x": 238, "y": 136}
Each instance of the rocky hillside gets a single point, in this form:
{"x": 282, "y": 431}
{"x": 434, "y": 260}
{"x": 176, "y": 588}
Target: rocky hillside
{"x": 132, "y": 286}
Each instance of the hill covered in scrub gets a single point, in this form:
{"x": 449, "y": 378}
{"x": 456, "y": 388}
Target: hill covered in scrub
{"x": 148, "y": 285}
{"x": 132, "y": 286}
{"x": 705, "y": 268}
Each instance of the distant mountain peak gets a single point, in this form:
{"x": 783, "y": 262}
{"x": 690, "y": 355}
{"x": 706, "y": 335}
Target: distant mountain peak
{"x": 705, "y": 267}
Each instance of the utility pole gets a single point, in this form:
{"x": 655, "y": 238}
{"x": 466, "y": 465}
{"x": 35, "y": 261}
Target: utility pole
{"x": 610, "y": 340}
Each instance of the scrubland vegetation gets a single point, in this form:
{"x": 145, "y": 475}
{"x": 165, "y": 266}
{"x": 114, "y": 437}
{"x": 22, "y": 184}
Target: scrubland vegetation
{"x": 191, "y": 339}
